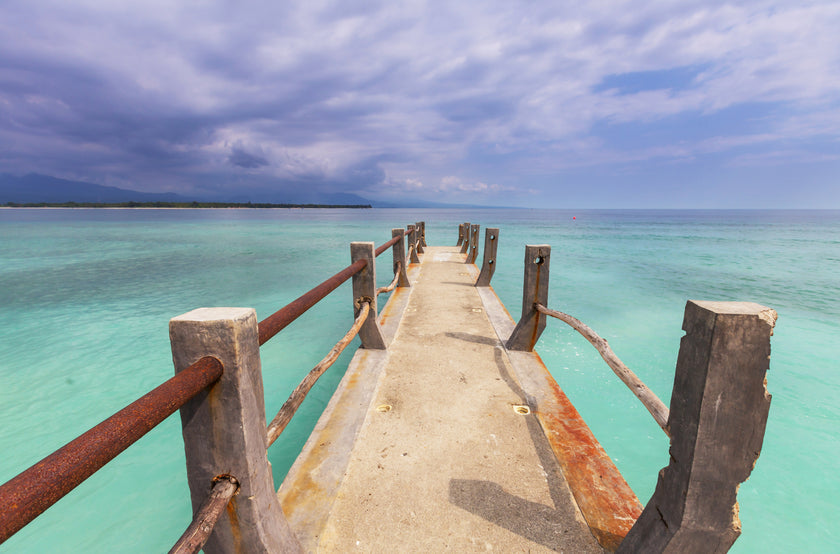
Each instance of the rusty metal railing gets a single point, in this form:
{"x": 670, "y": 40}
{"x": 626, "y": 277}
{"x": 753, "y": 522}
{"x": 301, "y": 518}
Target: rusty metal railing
{"x": 280, "y": 319}
{"x": 25, "y": 497}
{"x": 384, "y": 247}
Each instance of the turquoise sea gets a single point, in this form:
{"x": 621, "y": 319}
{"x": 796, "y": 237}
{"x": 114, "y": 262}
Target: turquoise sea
{"x": 86, "y": 296}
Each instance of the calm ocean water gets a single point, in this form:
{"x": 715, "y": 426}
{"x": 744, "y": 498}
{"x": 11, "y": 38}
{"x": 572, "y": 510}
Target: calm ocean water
{"x": 86, "y": 295}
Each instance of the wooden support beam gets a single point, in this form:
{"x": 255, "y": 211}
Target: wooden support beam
{"x": 719, "y": 407}
{"x": 534, "y": 291}
{"x": 224, "y": 430}
{"x": 488, "y": 266}
{"x": 364, "y": 290}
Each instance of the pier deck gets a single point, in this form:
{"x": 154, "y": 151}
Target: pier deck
{"x": 440, "y": 459}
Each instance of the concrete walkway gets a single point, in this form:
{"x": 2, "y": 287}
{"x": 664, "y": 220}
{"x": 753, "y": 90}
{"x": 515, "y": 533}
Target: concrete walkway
{"x": 444, "y": 460}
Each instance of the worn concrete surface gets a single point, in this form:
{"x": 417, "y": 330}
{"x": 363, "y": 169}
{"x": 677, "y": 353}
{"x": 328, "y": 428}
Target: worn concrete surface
{"x": 443, "y": 461}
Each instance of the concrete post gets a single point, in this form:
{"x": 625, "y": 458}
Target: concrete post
{"x": 364, "y": 287}
{"x": 534, "y": 291}
{"x": 460, "y": 235}
{"x": 399, "y": 257}
{"x": 412, "y": 240}
{"x": 225, "y": 432}
{"x": 719, "y": 407}
{"x": 465, "y": 247}
{"x": 488, "y": 267}
{"x": 423, "y": 233}
{"x": 473, "y": 255}
{"x": 418, "y": 228}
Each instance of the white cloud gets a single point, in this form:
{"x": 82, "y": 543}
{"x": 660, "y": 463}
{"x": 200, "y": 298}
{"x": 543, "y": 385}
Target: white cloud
{"x": 452, "y": 184}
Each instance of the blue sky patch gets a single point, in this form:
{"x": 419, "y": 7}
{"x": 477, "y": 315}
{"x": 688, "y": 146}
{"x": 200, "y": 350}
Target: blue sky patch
{"x": 678, "y": 78}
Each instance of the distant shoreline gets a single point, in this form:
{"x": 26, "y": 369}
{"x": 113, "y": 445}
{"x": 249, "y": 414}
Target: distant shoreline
{"x": 179, "y": 205}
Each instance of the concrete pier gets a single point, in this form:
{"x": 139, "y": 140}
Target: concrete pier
{"x": 446, "y": 433}
{"x": 431, "y": 445}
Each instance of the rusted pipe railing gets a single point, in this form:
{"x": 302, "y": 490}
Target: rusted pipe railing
{"x": 650, "y": 401}
{"x": 284, "y": 416}
{"x": 224, "y": 488}
{"x": 280, "y": 319}
{"x": 387, "y": 245}
{"x": 25, "y": 497}
{"x": 393, "y": 284}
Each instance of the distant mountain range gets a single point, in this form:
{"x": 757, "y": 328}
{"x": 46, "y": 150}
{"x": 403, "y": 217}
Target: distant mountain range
{"x": 36, "y": 188}
{"x": 42, "y": 188}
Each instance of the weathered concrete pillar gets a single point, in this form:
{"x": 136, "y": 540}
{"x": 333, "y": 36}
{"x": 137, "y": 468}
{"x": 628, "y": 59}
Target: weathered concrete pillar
{"x": 423, "y": 233}
{"x": 473, "y": 253}
{"x": 488, "y": 267}
{"x": 399, "y": 257}
{"x": 418, "y": 228}
{"x": 364, "y": 289}
{"x": 719, "y": 408}
{"x": 460, "y": 235}
{"x": 225, "y": 432}
{"x": 465, "y": 247}
{"x": 412, "y": 241}
{"x": 534, "y": 291}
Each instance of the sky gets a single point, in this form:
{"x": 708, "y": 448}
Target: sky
{"x": 619, "y": 104}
